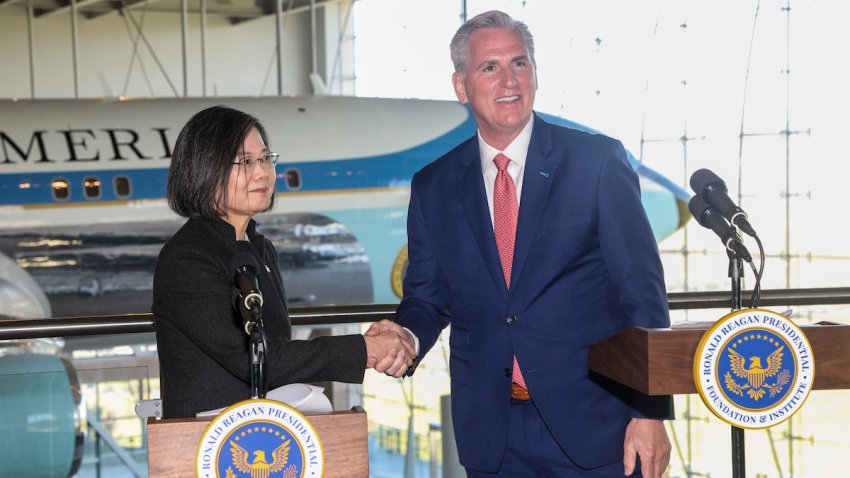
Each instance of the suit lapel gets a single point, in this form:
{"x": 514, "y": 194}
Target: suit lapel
{"x": 471, "y": 191}
{"x": 537, "y": 178}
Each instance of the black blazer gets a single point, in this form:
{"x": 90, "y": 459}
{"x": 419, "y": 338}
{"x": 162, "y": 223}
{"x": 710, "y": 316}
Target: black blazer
{"x": 203, "y": 348}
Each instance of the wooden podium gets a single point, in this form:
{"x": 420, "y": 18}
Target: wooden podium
{"x": 173, "y": 443}
{"x": 661, "y": 361}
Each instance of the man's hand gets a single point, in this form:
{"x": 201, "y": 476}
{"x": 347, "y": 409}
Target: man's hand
{"x": 389, "y": 348}
{"x": 646, "y": 438}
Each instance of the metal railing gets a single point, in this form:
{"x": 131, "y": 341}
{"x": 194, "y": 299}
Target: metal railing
{"x": 353, "y": 314}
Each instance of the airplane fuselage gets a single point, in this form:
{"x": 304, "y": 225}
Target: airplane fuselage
{"x": 82, "y": 186}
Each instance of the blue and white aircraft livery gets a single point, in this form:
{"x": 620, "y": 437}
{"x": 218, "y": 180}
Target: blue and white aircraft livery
{"x": 83, "y": 212}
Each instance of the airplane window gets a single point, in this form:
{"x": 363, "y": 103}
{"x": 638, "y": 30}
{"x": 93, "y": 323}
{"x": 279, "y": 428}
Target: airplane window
{"x": 91, "y": 186}
{"x": 293, "y": 179}
{"x": 122, "y": 186}
{"x": 60, "y": 189}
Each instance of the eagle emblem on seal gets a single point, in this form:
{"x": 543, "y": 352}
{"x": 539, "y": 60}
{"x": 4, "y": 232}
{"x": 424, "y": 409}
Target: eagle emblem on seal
{"x": 756, "y": 374}
{"x": 260, "y": 467}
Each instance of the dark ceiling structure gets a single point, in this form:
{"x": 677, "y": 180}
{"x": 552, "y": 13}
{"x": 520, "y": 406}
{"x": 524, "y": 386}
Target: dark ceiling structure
{"x": 236, "y": 11}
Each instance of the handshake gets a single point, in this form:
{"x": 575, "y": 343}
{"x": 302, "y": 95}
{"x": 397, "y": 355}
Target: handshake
{"x": 389, "y": 348}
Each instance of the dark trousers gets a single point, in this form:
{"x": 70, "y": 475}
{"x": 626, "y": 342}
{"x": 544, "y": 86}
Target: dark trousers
{"x": 532, "y": 451}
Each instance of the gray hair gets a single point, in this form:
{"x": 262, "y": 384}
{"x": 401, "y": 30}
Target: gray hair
{"x": 492, "y": 19}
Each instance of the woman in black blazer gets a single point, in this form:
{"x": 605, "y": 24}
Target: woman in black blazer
{"x": 222, "y": 174}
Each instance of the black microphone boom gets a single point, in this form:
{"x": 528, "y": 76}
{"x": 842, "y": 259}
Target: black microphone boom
{"x": 251, "y": 299}
{"x": 713, "y": 190}
{"x": 709, "y": 217}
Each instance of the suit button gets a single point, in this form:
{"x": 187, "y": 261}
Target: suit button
{"x": 512, "y": 319}
{"x": 508, "y": 372}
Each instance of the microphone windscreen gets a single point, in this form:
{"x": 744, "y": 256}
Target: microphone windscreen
{"x": 698, "y": 206}
{"x": 242, "y": 259}
{"x": 702, "y": 178}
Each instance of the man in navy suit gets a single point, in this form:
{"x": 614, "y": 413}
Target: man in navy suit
{"x": 528, "y": 292}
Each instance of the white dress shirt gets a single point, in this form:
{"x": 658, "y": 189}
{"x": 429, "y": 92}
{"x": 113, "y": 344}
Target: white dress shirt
{"x": 516, "y": 152}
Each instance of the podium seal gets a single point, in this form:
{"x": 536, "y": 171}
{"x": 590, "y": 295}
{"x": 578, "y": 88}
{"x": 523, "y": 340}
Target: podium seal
{"x": 754, "y": 368}
{"x": 260, "y": 439}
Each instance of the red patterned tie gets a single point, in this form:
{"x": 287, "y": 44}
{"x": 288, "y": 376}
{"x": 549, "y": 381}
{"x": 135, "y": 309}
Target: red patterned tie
{"x": 505, "y": 212}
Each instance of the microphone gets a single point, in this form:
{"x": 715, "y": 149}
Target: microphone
{"x": 710, "y": 218}
{"x": 251, "y": 299}
{"x": 713, "y": 190}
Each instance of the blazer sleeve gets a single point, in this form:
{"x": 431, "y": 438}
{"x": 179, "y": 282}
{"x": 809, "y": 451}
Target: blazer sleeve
{"x": 194, "y": 295}
{"x": 631, "y": 255}
{"x": 424, "y": 309}
{"x": 340, "y": 358}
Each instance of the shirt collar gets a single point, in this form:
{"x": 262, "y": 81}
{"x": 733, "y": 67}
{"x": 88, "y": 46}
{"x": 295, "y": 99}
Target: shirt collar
{"x": 516, "y": 151}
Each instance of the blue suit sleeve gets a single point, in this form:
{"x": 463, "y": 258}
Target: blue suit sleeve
{"x": 631, "y": 255}
{"x": 424, "y": 309}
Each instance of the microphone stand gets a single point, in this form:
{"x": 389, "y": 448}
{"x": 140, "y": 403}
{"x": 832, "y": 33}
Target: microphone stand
{"x": 257, "y": 352}
{"x": 736, "y": 272}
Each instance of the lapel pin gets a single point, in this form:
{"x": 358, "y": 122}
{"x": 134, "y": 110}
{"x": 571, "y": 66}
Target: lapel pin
{"x": 544, "y": 174}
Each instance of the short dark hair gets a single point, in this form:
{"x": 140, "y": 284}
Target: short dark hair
{"x": 203, "y": 158}
{"x": 493, "y": 19}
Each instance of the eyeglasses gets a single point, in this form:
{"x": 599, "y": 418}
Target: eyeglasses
{"x": 267, "y": 161}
